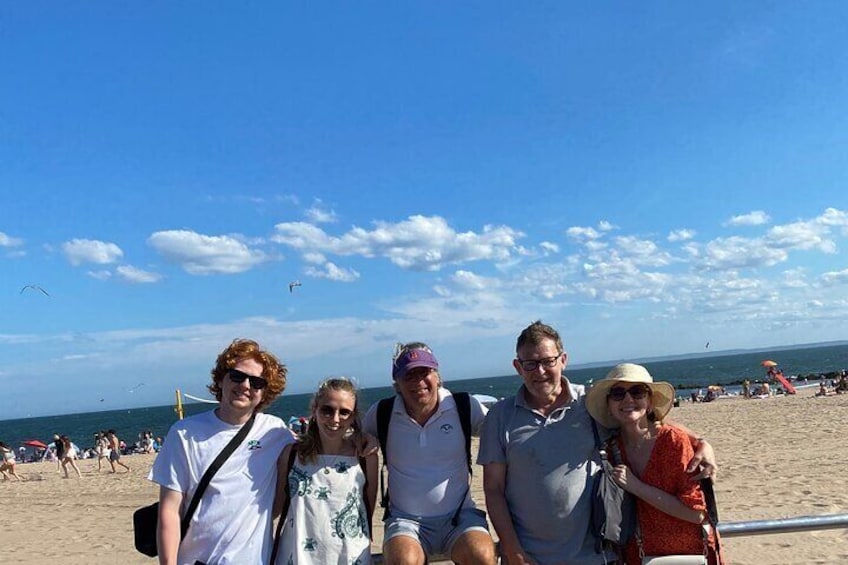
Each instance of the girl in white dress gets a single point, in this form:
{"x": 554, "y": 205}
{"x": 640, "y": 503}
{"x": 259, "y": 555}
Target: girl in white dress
{"x": 69, "y": 456}
{"x": 325, "y": 489}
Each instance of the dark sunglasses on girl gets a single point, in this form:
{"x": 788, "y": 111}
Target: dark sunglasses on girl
{"x": 637, "y": 392}
{"x": 256, "y": 383}
{"x": 329, "y": 412}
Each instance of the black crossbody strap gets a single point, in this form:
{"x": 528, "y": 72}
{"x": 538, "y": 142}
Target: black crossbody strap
{"x": 286, "y": 504}
{"x": 210, "y": 472}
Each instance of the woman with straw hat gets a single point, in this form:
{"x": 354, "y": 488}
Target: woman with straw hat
{"x": 670, "y": 507}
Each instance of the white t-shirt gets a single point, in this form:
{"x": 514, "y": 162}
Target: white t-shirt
{"x": 428, "y": 472}
{"x": 232, "y": 523}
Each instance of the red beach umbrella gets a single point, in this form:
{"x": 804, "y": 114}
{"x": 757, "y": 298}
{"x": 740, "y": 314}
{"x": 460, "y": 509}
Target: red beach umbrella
{"x": 35, "y": 443}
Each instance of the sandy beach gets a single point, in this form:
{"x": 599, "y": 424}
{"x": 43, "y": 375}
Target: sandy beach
{"x": 779, "y": 457}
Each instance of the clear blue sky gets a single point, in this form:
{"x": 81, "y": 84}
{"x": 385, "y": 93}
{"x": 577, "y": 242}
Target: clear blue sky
{"x": 646, "y": 177}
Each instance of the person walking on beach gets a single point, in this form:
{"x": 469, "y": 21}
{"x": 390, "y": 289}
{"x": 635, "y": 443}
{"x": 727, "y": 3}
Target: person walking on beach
{"x": 59, "y": 447}
{"x": 538, "y": 450}
{"x": 7, "y": 462}
{"x": 115, "y": 451}
{"x": 232, "y": 523}
{"x": 330, "y": 489}
{"x": 671, "y": 510}
{"x": 430, "y": 509}
{"x": 101, "y": 448}
{"x": 69, "y": 455}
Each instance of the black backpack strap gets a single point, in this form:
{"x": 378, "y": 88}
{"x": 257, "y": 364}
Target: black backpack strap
{"x": 286, "y": 504}
{"x": 210, "y": 472}
{"x": 384, "y": 415}
{"x": 463, "y": 409}
{"x": 369, "y": 510}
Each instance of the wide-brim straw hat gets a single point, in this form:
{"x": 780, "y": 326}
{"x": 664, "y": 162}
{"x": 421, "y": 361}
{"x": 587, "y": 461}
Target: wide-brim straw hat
{"x": 662, "y": 393}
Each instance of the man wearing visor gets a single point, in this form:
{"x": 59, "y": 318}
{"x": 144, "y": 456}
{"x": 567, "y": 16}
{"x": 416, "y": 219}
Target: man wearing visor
{"x": 429, "y": 509}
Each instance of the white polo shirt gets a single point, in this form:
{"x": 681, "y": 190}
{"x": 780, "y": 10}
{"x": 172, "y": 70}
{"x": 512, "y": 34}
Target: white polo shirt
{"x": 428, "y": 473}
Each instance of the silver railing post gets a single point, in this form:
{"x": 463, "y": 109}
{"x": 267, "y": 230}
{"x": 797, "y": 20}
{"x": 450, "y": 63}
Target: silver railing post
{"x": 783, "y": 525}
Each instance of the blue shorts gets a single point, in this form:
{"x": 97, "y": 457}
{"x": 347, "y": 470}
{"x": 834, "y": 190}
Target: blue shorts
{"x": 436, "y": 534}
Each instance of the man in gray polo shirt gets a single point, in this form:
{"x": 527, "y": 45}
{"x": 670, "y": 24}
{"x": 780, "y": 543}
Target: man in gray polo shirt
{"x": 537, "y": 450}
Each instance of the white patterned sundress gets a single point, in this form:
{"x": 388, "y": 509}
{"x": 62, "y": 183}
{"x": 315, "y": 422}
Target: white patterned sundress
{"x": 327, "y": 520}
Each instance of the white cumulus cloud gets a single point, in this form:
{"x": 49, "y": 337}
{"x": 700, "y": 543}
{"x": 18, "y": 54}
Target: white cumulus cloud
{"x": 79, "y": 251}
{"x": 136, "y": 275}
{"x": 425, "y": 243}
{"x": 332, "y": 272}
{"x": 681, "y": 235}
{"x": 200, "y": 254}
{"x": 9, "y": 241}
{"x": 755, "y": 218}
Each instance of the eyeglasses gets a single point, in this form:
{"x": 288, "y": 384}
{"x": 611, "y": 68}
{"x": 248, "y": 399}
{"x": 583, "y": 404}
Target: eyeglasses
{"x": 637, "y": 392}
{"x": 256, "y": 383}
{"x": 329, "y": 411}
{"x": 533, "y": 364}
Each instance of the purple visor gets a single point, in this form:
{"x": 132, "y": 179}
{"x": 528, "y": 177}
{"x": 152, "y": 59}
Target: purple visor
{"x": 412, "y": 359}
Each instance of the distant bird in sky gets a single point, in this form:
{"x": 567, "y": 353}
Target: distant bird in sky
{"x": 707, "y": 346}
{"x": 293, "y": 284}
{"x": 35, "y": 287}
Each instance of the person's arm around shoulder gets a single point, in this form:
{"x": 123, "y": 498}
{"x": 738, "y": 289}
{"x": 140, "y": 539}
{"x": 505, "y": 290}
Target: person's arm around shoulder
{"x": 281, "y": 493}
{"x": 168, "y": 534}
{"x": 494, "y": 487}
{"x": 704, "y": 458}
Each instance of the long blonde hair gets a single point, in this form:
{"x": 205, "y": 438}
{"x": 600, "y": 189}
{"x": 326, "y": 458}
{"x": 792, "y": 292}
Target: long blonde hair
{"x": 309, "y": 446}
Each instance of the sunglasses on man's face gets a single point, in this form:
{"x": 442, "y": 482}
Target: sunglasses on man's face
{"x": 256, "y": 383}
{"x": 637, "y": 392}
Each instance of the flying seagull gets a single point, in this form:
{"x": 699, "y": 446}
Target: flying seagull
{"x": 35, "y": 287}
{"x": 293, "y": 284}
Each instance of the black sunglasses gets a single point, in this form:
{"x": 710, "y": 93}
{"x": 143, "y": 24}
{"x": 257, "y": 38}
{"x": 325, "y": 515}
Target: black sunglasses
{"x": 637, "y": 392}
{"x": 256, "y": 383}
{"x": 329, "y": 411}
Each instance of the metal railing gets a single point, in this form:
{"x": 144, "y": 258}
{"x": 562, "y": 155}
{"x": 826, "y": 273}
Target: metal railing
{"x": 783, "y": 525}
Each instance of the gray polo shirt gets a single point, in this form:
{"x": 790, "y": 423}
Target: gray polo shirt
{"x": 549, "y": 475}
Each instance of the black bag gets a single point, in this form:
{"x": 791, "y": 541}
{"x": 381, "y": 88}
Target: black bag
{"x": 145, "y": 523}
{"x": 146, "y": 520}
{"x": 613, "y": 508}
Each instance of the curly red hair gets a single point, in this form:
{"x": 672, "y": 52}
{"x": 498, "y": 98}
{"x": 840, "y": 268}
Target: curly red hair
{"x": 272, "y": 369}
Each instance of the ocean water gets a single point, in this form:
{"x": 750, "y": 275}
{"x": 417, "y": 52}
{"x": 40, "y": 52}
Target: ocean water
{"x": 684, "y": 374}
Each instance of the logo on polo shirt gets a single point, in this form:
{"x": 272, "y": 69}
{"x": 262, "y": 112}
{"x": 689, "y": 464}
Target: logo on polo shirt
{"x": 254, "y": 444}
{"x": 446, "y": 428}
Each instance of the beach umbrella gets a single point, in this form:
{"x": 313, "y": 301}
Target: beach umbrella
{"x": 35, "y": 443}
{"x": 769, "y": 363}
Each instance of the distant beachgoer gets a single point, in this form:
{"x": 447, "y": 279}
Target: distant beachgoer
{"x": 334, "y": 527}
{"x": 59, "y": 448}
{"x": 746, "y": 388}
{"x": 69, "y": 456}
{"x": 115, "y": 452}
{"x": 7, "y": 462}
{"x": 671, "y": 509}
{"x": 101, "y": 448}
{"x": 234, "y": 518}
